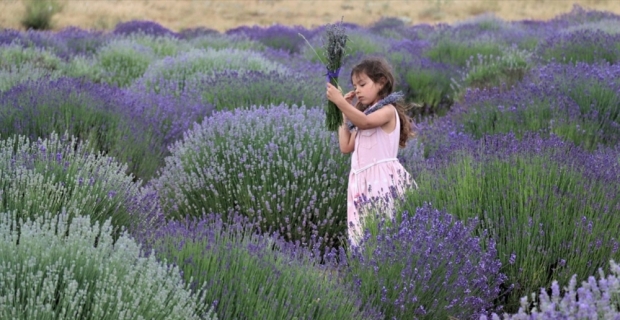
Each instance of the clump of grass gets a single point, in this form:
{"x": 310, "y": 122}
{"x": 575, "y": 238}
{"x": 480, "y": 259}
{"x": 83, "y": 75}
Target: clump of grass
{"x": 39, "y": 14}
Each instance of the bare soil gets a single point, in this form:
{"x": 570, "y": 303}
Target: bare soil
{"x": 222, "y": 15}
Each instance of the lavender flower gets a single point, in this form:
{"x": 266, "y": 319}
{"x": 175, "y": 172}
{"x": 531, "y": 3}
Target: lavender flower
{"x": 593, "y": 300}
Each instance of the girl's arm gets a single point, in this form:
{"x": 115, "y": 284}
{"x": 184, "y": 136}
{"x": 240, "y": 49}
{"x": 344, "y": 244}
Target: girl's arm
{"x": 357, "y": 117}
{"x": 346, "y": 139}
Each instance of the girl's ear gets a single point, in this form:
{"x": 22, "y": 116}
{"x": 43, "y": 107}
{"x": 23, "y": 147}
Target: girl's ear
{"x": 382, "y": 81}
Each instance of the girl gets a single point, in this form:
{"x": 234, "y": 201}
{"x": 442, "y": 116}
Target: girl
{"x": 373, "y": 130}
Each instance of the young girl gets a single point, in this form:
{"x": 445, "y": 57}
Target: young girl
{"x": 373, "y": 130}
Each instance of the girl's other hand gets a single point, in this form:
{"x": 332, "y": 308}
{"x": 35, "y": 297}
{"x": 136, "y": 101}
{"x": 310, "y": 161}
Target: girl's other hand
{"x": 350, "y": 96}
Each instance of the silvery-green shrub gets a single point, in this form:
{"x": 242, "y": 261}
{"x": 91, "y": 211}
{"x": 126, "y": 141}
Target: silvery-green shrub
{"x": 275, "y": 164}
{"x": 56, "y": 174}
{"x": 19, "y": 64}
{"x": 56, "y": 268}
{"x": 122, "y": 61}
{"x": 189, "y": 66}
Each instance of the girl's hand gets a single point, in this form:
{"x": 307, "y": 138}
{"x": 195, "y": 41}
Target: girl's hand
{"x": 333, "y": 94}
{"x": 349, "y": 97}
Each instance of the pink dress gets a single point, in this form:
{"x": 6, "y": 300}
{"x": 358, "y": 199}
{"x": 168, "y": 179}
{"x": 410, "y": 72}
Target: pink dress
{"x": 375, "y": 172}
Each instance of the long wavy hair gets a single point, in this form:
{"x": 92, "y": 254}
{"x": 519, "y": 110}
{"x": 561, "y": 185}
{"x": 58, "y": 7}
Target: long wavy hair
{"x": 380, "y": 72}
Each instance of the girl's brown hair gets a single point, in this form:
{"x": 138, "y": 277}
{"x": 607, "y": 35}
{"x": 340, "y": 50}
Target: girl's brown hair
{"x": 380, "y": 72}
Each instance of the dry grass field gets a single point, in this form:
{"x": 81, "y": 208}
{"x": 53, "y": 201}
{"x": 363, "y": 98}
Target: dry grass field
{"x": 225, "y": 14}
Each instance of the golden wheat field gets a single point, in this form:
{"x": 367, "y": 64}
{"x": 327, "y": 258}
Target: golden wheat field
{"x": 225, "y": 14}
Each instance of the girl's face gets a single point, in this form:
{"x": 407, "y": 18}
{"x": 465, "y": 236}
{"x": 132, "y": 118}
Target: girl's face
{"x": 365, "y": 89}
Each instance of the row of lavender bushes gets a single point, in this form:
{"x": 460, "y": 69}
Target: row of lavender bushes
{"x": 492, "y": 172}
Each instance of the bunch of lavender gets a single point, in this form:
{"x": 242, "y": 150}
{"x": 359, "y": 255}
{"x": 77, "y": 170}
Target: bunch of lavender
{"x": 273, "y": 164}
{"x": 425, "y": 264}
{"x": 545, "y": 202}
{"x": 593, "y": 300}
{"x": 58, "y": 173}
{"x": 334, "y": 52}
{"x": 54, "y": 267}
{"x": 250, "y": 276}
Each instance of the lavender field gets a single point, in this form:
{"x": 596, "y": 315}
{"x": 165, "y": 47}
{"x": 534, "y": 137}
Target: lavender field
{"x": 152, "y": 174}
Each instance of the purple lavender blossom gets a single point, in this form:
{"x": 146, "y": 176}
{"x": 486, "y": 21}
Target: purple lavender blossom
{"x": 595, "y": 299}
{"x": 427, "y": 264}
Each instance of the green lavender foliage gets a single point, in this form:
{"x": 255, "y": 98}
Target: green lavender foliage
{"x": 56, "y": 174}
{"x": 54, "y": 267}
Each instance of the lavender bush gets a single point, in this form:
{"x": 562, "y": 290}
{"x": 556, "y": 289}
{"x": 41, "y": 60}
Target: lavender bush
{"x": 196, "y": 63}
{"x": 273, "y": 164}
{"x": 426, "y": 264}
{"x": 142, "y": 27}
{"x": 593, "y": 300}
{"x": 233, "y": 89}
{"x": 493, "y": 71}
{"x": 577, "y": 102}
{"x": 15, "y": 56}
{"x": 551, "y": 207}
{"x": 580, "y": 46}
{"x": 458, "y": 52}
{"x": 225, "y": 41}
{"x": 162, "y": 46}
{"x": 56, "y": 174}
{"x": 110, "y": 120}
{"x": 121, "y": 62}
{"x": 74, "y": 42}
{"x": 249, "y": 276}
{"x": 276, "y": 36}
{"x": 57, "y": 268}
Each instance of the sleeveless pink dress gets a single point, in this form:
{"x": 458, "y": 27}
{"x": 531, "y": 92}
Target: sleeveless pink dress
{"x": 375, "y": 172}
